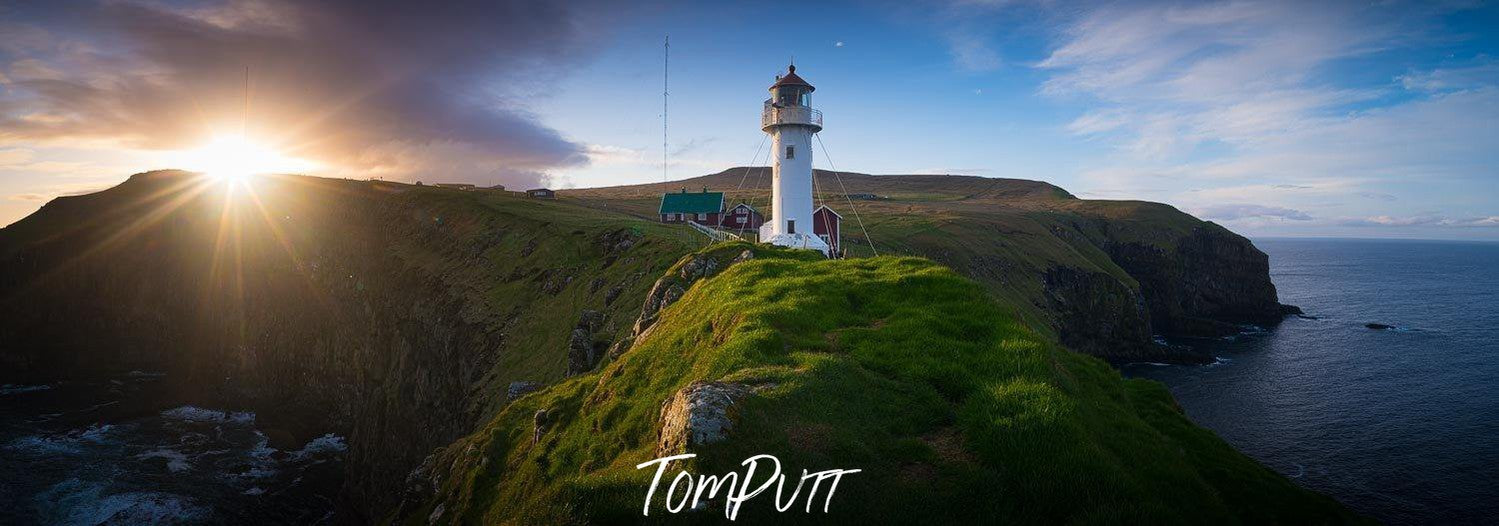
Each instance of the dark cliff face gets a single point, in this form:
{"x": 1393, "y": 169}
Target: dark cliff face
{"x": 1211, "y": 283}
{"x": 1096, "y": 313}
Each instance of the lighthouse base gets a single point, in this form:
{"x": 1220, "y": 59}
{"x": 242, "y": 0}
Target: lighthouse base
{"x": 806, "y": 241}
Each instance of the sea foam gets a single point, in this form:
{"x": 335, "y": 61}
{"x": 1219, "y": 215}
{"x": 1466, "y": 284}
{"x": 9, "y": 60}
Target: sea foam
{"x": 198, "y": 414}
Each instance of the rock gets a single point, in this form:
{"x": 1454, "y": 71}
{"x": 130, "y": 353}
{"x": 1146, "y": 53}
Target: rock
{"x": 672, "y": 287}
{"x": 553, "y": 281}
{"x": 613, "y": 294}
{"x": 582, "y": 351}
{"x": 698, "y": 268}
{"x": 701, "y": 413}
{"x": 521, "y": 388}
{"x": 539, "y": 423}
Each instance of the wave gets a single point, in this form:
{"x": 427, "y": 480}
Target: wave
{"x": 70, "y": 443}
{"x": 326, "y": 444}
{"x": 198, "y": 414}
{"x": 73, "y": 501}
{"x": 43, "y": 445}
{"x": 176, "y": 460}
{"x": 10, "y": 389}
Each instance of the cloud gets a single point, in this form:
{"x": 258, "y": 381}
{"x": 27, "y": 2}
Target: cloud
{"x": 1237, "y": 212}
{"x": 385, "y": 87}
{"x": 1211, "y": 104}
{"x": 692, "y": 145}
{"x": 1426, "y": 220}
{"x": 838, "y": 44}
{"x": 972, "y": 52}
{"x": 1479, "y": 75}
{"x": 13, "y": 156}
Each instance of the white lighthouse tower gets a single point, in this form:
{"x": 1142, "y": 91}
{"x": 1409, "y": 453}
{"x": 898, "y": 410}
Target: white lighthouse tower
{"x": 790, "y": 120}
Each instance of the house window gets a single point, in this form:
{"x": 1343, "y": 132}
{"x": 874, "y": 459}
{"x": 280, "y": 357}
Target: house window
{"x": 790, "y": 226}
{"x": 790, "y": 152}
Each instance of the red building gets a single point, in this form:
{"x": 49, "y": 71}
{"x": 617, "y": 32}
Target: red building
{"x": 742, "y": 217}
{"x": 828, "y": 225}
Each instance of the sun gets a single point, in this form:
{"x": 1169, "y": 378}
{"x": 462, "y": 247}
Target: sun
{"x": 234, "y": 158}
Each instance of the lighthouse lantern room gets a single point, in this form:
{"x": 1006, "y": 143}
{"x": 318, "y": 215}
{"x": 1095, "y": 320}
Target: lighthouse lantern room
{"x": 791, "y": 122}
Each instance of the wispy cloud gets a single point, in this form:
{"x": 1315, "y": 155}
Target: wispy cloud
{"x": 1207, "y": 105}
{"x": 972, "y": 52}
{"x": 1426, "y": 221}
{"x": 1240, "y": 211}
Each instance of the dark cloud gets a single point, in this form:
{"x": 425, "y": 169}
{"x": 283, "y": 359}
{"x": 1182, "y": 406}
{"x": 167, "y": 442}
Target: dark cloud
{"x": 387, "y": 88}
{"x": 1233, "y": 212}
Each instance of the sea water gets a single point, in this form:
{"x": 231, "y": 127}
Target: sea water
{"x": 1401, "y": 424}
{"x": 94, "y": 453}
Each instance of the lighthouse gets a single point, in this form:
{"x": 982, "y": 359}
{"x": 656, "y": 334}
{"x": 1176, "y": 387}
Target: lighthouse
{"x": 790, "y": 120}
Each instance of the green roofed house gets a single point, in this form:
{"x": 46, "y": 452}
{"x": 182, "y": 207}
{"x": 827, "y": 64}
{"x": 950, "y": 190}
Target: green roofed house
{"x": 703, "y": 207}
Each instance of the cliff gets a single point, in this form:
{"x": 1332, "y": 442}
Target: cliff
{"x": 962, "y": 415}
{"x": 405, "y": 317}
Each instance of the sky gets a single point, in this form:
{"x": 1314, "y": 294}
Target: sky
{"x": 1272, "y": 118}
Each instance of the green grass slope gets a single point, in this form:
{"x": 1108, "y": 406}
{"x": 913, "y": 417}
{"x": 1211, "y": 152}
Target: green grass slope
{"x": 953, "y": 409}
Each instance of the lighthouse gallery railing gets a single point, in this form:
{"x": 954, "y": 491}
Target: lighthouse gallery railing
{"x": 773, "y": 115}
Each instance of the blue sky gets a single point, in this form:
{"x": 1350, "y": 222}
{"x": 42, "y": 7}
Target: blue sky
{"x": 1272, "y": 118}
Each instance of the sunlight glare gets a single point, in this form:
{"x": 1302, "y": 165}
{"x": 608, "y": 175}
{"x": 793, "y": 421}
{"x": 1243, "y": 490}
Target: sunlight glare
{"x": 233, "y": 158}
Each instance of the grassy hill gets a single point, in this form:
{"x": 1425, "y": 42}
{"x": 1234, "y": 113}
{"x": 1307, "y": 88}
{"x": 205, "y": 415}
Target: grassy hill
{"x": 953, "y": 409}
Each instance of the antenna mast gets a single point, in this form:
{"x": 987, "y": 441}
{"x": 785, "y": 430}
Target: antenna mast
{"x": 244, "y": 119}
{"x": 665, "y": 92}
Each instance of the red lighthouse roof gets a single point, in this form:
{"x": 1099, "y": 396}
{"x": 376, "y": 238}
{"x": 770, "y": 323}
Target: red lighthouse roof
{"x": 791, "y": 79}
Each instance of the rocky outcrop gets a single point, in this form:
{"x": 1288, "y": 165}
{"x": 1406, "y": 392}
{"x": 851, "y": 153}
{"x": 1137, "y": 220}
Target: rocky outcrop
{"x": 701, "y": 413}
{"x": 670, "y": 287}
{"x": 583, "y": 348}
{"x": 518, "y": 389}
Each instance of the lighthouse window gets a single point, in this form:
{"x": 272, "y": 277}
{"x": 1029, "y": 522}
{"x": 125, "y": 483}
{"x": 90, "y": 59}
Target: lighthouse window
{"x": 790, "y": 226}
{"x": 790, "y": 152}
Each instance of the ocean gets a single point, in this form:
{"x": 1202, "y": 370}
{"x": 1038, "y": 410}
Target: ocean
{"x": 1399, "y": 423}
{"x": 91, "y": 453}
